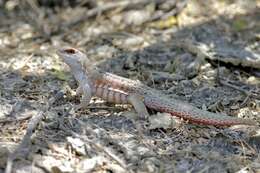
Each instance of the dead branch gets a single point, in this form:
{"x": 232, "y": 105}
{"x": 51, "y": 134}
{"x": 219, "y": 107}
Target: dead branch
{"x": 107, "y": 7}
{"x": 23, "y": 148}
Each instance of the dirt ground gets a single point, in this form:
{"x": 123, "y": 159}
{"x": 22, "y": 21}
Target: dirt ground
{"x": 204, "y": 52}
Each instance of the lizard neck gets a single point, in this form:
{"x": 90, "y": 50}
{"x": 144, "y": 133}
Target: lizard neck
{"x": 81, "y": 76}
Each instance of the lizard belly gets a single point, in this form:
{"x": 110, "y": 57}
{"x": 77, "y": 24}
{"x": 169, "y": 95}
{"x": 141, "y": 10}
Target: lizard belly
{"x": 110, "y": 94}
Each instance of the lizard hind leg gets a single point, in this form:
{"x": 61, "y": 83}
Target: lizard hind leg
{"x": 137, "y": 102}
{"x": 140, "y": 121}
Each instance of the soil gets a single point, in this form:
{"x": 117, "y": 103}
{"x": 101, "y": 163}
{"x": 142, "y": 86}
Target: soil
{"x": 204, "y": 52}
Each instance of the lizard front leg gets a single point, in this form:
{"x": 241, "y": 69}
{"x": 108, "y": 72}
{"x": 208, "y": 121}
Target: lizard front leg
{"x": 86, "y": 92}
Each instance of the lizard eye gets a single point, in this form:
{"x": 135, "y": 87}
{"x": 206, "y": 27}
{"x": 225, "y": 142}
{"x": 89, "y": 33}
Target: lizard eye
{"x": 70, "y": 51}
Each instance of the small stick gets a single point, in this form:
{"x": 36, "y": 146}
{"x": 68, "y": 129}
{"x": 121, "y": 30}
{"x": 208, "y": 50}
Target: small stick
{"x": 8, "y": 120}
{"x": 89, "y": 128}
{"x": 104, "y": 149}
{"x": 234, "y": 87}
{"x": 248, "y": 94}
{"x": 106, "y": 7}
{"x": 23, "y": 148}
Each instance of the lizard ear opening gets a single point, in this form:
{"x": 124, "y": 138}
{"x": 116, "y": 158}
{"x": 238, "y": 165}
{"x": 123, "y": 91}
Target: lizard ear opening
{"x": 70, "y": 51}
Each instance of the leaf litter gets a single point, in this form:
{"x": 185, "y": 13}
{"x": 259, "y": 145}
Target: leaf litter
{"x": 198, "y": 51}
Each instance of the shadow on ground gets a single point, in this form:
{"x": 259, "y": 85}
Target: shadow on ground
{"x": 184, "y": 67}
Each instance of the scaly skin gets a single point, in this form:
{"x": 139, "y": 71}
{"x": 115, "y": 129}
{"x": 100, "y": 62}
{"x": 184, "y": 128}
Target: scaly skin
{"x": 109, "y": 86}
{"x": 160, "y": 102}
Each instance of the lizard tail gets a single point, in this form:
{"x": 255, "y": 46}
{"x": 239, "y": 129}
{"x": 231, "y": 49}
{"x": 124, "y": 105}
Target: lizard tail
{"x": 209, "y": 118}
{"x": 193, "y": 114}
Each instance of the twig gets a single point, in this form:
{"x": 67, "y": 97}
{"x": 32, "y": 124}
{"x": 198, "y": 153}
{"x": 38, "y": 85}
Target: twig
{"x": 98, "y": 146}
{"x": 107, "y": 7}
{"x": 248, "y": 94}
{"x": 89, "y": 129}
{"x": 35, "y": 16}
{"x": 177, "y": 8}
{"x": 23, "y": 148}
{"x": 8, "y": 120}
{"x": 234, "y": 87}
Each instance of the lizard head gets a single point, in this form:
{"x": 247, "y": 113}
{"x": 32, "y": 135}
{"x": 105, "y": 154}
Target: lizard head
{"x": 72, "y": 57}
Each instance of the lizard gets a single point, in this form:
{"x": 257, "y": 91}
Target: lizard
{"x": 116, "y": 89}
